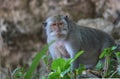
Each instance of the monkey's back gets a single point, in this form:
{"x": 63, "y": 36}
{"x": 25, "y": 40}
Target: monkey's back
{"x": 95, "y": 36}
{"x": 92, "y": 41}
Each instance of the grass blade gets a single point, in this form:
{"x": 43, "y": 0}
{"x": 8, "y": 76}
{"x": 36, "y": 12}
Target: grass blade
{"x": 35, "y": 62}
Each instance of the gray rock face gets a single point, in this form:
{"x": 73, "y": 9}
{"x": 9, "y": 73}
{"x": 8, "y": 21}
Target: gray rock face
{"x": 98, "y": 24}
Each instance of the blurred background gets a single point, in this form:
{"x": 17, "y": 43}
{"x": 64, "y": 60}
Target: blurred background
{"x": 22, "y": 34}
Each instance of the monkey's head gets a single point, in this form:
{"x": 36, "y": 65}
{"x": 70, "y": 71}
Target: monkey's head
{"x": 57, "y": 27}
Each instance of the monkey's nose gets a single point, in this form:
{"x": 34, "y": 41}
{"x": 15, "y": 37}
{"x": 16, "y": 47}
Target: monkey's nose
{"x": 58, "y": 29}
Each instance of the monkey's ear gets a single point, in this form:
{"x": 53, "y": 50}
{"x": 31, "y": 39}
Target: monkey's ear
{"x": 44, "y": 24}
{"x": 66, "y": 18}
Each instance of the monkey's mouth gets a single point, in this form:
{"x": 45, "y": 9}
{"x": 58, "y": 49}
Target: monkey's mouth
{"x": 60, "y": 35}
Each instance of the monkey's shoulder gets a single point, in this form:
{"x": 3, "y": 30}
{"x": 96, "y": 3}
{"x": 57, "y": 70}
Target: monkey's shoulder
{"x": 89, "y": 30}
{"x": 87, "y": 33}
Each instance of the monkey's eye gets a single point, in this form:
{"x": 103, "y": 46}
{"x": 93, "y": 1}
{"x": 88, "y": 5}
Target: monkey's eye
{"x": 60, "y": 23}
{"x": 54, "y": 24}
{"x": 57, "y": 24}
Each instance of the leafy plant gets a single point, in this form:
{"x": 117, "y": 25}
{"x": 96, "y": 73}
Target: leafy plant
{"x": 61, "y": 68}
{"x": 35, "y": 63}
{"x": 109, "y": 54}
{"x": 18, "y": 73}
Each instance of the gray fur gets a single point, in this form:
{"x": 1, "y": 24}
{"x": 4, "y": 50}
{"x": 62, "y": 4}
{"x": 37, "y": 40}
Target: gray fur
{"x": 77, "y": 38}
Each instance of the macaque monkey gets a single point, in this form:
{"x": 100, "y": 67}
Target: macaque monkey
{"x": 70, "y": 38}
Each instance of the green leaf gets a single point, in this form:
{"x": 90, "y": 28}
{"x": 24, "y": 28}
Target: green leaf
{"x": 118, "y": 57}
{"x": 114, "y": 47}
{"x": 77, "y": 55}
{"x": 80, "y": 69}
{"x": 99, "y": 65}
{"x": 103, "y": 54}
{"x": 66, "y": 71}
{"x": 43, "y": 77}
{"x": 15, "y": 71}
{"x": 66, "y": 77}
{"x": 35, "y": 62}
{"x": 118, "y": 54}
{"x": 54, "y": 75}
{"x": 18, "y": 73}
{"x": 67, "y": 64}
{"x": 106, "y": 52}
{"x": 60, "y": 62}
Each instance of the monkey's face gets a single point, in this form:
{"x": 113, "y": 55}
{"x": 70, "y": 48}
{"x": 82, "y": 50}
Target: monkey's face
{"x": 57, "y": 27}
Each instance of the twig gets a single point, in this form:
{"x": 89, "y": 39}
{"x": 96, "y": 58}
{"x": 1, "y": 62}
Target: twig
{"x": 113, "y": 74}
{"x": 9, "y": 73}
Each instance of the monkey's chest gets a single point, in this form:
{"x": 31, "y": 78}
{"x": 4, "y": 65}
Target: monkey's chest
{"x": 60, "y": 47}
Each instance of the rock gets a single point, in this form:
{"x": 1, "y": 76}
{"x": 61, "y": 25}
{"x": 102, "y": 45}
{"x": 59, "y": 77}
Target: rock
{"x": 18, "y": 45}
{"x": 80, "y": 9}
{"x": 21, "y": 33}
{"x": 107, "y": 9}
{"x": 116, "y": 33}
{"x": 97, "y": 23}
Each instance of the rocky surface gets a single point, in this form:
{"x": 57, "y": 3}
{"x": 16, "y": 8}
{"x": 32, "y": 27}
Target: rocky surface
{"x": 97, "y": 23}
{"x": 21, "y": 32}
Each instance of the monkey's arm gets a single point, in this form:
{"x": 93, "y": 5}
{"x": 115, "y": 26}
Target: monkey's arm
{"x": 63, "y": 52}
{"x": 58, "y": 51}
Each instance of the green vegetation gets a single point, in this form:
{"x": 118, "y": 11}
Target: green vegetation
{"x": 111, "y": 63}
{"x": 61, "y": 68}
